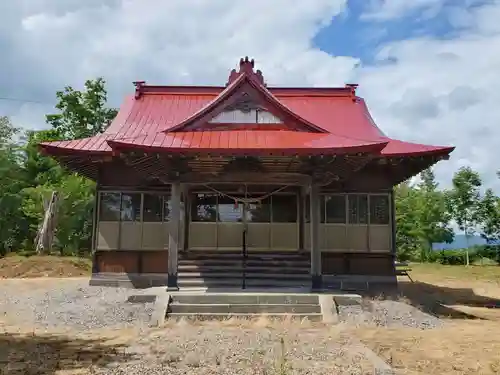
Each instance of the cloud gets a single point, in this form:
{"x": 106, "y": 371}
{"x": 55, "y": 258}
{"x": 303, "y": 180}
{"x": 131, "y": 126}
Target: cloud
{"x": 431, "y": 90}
{"x": 183, "y": 41}
{"x": 443, "y": 91}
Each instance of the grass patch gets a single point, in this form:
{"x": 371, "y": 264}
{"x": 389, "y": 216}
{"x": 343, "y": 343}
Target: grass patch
{"x": 461, "y": 347}
{"x": 432, "y": 271}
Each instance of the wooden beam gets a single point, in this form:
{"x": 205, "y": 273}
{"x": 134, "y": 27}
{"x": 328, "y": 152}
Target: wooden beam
{"x": 247, "y": 177}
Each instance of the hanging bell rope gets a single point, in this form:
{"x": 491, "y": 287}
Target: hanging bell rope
{"x": 247, "y": 200}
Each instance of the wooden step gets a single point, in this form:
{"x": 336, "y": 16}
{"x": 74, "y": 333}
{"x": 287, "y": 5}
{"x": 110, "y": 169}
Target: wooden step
{"x": 239, "y": 268}
{"x": 239, "y": 255}
{"x": 248, "y": 262}
{"x": 249, "y": 275}
{"x": 208, "y": 282}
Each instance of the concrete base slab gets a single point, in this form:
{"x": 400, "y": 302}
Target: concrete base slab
{"x": 204, "y": 305}
{"x": 348, "y": 300}
{"x": 142, "y": 298}
{"x": 328, "y": 309}
{"x": 128, "y": 280}
{"x": 160, "y": 310}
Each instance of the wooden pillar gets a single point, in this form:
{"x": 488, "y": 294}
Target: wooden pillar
{"x": 301, "y": 208}
{"x": 315, "y": 246}
{"x": 173, "y": 239}
{"x": 95, "y": 224}
{"x": 187, "y": 211}
{"x": 392, "y": 206}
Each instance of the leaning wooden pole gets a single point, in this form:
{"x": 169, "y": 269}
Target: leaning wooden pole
{"x": 45, "y": 235}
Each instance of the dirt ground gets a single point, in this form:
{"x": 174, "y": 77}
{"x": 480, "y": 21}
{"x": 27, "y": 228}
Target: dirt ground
{"x": 466, "y": 299}
{"x": 43, "y": 266}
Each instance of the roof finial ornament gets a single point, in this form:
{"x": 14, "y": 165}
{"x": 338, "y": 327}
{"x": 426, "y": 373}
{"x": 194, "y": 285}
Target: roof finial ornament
{"x": 246, "y": 67}
{"x": 139, "y": 86}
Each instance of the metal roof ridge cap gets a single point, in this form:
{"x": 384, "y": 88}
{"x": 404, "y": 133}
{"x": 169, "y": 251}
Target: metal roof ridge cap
{"x": 180, "y": 93}
{"x": 311, "y": 95}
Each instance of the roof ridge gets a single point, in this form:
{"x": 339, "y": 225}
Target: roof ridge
{"x": 257, "y": 84}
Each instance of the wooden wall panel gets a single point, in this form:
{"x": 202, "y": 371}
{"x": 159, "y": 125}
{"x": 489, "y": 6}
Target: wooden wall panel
{"x": 154, "y": 261}
{"x": 118, "y": 261}
{"x": 132, "y": 261}
{"x": 379, "y": 264}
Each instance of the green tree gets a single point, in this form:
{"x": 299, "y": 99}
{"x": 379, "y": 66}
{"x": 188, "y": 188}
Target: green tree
{"x": 463, "y": 201}
{"x": 83, "y": 113}
{"x": 433, "y": 218}
{"x": 407, "y": 235}
{"x": 12, "y": 181}
{"x": 39, "y": 168}
{"x": 7, "y": 132}
{"x": 489, "y": 216}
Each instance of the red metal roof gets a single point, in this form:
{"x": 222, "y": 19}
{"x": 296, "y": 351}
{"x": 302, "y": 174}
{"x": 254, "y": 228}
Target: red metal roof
{"x": 248, "y": 140}
{"x": 253, "y": 83}
{"x": 333, "y": 119}
{"x": 401, "y": 148}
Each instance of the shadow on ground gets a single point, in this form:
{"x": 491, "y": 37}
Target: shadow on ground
{"x": 48, "y": 354}
{"x": 437, "y": 300}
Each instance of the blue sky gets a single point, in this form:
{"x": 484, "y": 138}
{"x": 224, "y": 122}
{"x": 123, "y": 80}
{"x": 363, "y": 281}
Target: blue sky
{"x": 355, "y": 34}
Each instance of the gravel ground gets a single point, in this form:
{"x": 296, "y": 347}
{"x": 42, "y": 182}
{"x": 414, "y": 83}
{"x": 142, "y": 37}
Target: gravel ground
{"x": 387, "y": 313}
{"x": 244, "y": 348}
{"x": 179, "y": 347}
{"x": 70, "y": 304}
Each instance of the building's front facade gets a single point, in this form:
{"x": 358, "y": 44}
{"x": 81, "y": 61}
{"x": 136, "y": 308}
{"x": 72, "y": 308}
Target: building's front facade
{"x": 244, "y": 169}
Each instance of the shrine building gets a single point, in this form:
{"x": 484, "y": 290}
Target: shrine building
{"x": 244, "y": 185}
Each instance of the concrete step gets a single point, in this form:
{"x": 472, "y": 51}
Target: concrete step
{"x": 249, "y": 274}
{"x": 223, "y": 316}
{"x": 239, "y": 268}
{"x": 246, "y": 298}
{"x": 177, "y": 308}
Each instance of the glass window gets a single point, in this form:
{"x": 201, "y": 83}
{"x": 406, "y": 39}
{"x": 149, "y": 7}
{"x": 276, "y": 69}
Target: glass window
{"x": 204, "y": 208}
{"x": 109, "y": 207}
{"x": 131, "y": 207}
{"x": 358, "y": 208}
{"x": 229, "y": 211}
{"x": 379, "y": 209}
{"x": 259, "y": 212}
{"x": 284, "y": 208}
{"x": 152, "y": 208}
{"x": 335, "y": 209}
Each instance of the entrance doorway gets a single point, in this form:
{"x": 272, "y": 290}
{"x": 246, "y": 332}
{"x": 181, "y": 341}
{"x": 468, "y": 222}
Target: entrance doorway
{"x": 217, "y": 222}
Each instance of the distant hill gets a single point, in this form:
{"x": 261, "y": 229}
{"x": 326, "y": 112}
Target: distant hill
{"x": 460, "y": 242}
